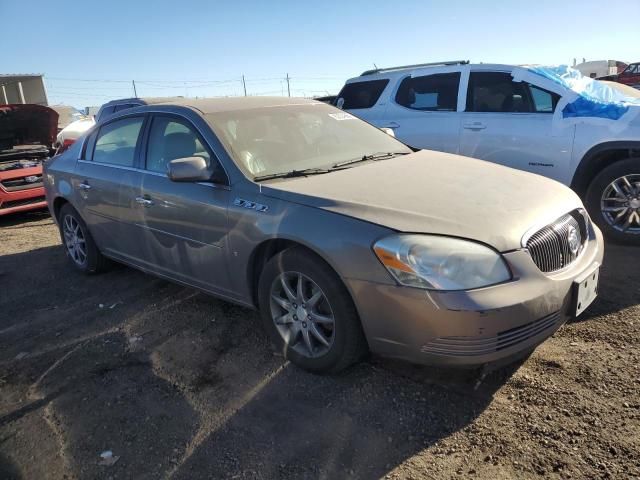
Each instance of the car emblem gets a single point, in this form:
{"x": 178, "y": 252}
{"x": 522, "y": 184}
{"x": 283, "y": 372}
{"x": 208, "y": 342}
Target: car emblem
{"x": 31, "y": 179}
{"x": 573, "y": 238}
{"x": 241, "y": 202}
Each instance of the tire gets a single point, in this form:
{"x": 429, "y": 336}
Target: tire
{"x": 92, "y": 261}
{"x": 602, "y": 187}
{"x": 345, "y": 337}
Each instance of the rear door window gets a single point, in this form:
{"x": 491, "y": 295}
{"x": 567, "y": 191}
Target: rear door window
{"x": 104, "y": 113}
{"x": 361, "y": 94}
{"x": 116, "y": 142}
{"x": 437, "y": 92}
{"x": 124, "y": 106}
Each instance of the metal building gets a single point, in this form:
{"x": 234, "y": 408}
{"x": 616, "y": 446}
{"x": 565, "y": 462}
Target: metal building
{"x": 22, "y": 88}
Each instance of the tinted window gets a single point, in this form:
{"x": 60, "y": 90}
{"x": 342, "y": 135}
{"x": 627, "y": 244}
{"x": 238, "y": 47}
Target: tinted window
{"x": 361, "y": 94}
{"x": 116, "y": 142}
{"x": 438, "y": 92}
{"x": 104, "y": 113}
{"x": 170, "y": 139}
{"x": 496, "y": 92}
{"x": 124, "y": 106}
{"x": 543, "y": 101}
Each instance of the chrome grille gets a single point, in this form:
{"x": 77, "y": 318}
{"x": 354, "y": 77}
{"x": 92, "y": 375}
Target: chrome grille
{"x": 22, "y": 183}
{"x": 554, "y": 247}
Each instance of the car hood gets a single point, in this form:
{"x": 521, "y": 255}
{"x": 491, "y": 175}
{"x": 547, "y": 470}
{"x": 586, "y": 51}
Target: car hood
{"x": 439, "y": 193}
{"x": 27, "y": 124}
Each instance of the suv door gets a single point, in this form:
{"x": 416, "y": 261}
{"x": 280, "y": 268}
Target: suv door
{"x": 105, "y": 178}
{"x": 423, "y": 111}
{"x": 183, "y": 225}
{"x": 511, "y": 123}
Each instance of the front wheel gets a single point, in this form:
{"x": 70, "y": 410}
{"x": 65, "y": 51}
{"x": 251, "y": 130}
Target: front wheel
{"x": 309, "y": 313}
{"x": 613, "y": 201}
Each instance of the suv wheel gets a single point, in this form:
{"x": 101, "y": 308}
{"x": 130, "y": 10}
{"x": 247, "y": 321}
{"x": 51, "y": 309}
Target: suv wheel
{"x": 309, "y": 313}
{"x": 613, "y": 201}
{"x": 78, "y": 242}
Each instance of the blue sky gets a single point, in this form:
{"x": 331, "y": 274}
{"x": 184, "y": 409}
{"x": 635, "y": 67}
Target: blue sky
{"x": 89, "y": 52}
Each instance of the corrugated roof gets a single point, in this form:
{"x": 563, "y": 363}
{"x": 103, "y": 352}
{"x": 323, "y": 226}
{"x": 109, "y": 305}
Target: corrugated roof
{"x": 20, "y": 75}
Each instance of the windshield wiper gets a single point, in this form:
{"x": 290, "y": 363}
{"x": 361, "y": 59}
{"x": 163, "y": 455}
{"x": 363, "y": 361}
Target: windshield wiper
{"x": 293, "y": 173}
{"x": 366, "y": 158}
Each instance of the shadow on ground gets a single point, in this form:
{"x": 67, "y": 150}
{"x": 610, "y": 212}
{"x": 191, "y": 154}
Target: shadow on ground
{"x": 178, "y": 384}
{"x": 23, "y": 219}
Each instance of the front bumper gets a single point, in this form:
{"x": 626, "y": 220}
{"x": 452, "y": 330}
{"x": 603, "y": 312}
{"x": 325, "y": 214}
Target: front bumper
{"x": 474, "y": 327}
{"x": 22, "y": 198}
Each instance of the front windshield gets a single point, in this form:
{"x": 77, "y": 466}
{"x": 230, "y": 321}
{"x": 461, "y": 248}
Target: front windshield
{"x": 273, "y": 140}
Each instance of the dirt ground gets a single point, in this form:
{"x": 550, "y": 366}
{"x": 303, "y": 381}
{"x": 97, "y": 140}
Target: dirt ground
{"x": 180, "y": 385}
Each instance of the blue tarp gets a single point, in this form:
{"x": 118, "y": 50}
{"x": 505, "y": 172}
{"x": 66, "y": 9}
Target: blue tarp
{"x": 594, "y": 98}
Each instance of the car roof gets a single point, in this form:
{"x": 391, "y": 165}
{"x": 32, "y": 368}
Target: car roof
{"x": 226, "y": 104}
{"x": 401, "y": 71}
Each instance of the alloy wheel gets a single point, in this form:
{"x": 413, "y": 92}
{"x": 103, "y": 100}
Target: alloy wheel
{"x": 74, "y": 240}
{"x": 302, "y": 314}
{"x": 620, "y": 204}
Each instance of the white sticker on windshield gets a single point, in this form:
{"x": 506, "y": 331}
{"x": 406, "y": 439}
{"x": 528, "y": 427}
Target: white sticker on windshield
{"x": 342, "y": 116}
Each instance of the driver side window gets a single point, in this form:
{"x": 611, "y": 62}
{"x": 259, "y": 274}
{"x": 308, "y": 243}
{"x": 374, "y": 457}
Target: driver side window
{"x": 170, "y": 139}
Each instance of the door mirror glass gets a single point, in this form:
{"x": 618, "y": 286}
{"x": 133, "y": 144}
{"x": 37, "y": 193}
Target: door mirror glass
{"x": 189, "y": 169}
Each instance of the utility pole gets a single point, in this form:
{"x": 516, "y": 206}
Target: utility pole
{"x": 288, "y": 86}
{"x": 244, "y": 85}
{"x": 135, "y": 94}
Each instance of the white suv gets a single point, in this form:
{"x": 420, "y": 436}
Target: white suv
{"x": 581, "y": 132}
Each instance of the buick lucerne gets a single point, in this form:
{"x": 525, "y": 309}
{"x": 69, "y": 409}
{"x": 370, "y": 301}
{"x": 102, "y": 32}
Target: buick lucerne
{"x": 345, "y": 240}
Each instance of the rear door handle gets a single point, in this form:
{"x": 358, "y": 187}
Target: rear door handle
{"x": 391, "y": 125}
{"x": 475, "y": 126}
{"x": 84, "y": 186}
{"x": 145, "y": 202}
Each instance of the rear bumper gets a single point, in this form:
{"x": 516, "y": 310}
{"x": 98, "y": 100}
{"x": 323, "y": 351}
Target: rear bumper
{"x": 471, "y": 328}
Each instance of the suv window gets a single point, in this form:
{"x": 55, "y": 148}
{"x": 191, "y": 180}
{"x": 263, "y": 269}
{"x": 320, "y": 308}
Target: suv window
{"x": 116, "y": 142}
{"x": 104, "y": 112}
{"x": 361, "y": 94}
{"x": 124, "y": 106}
{"x": 437, "y": 92}
{"x": 543, "y": 100}
{"x": 170, "y": 139}
{"x": 497, "y": 92}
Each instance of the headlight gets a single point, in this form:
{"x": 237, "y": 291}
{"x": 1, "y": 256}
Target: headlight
{"x": 441, "y": 263}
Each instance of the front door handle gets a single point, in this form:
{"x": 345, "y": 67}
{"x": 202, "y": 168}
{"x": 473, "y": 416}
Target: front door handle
{"x": 475, "y": 126}
{"x": 145, "y": 202}
{"x": 84, "y": 186}
{"x": 391, "y": 125}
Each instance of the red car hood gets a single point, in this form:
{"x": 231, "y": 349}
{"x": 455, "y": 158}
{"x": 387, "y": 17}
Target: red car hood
{"x": 27, "y": 124}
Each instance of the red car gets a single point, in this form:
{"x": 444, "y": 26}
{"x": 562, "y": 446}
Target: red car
{"x": 27, "y": 135}
{"x": 629, "y": 76}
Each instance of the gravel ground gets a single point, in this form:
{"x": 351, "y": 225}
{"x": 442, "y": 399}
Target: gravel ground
{"x": 180, "y": 385}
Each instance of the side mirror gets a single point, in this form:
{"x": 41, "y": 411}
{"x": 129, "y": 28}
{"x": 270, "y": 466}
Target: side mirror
{"x": 189, "y": 169}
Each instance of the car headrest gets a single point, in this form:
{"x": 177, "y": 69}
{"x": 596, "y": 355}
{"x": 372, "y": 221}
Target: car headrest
{"x": 178, "y": 145}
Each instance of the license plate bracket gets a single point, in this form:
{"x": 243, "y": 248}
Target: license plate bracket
{"x": 585, "y": 290}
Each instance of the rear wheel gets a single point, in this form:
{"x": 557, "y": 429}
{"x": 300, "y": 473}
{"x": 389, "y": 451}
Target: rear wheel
{"x": 78, "y": 242}
{"x": 309, "y": 313}
{"x": 613, "y": 201}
